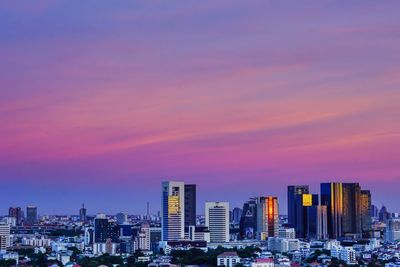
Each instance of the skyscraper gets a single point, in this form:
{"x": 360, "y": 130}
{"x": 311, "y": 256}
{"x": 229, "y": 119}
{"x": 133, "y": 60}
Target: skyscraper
{"x": 236, "y": 215}
{"x": 82, "y": 214}
{"x": 317, "y": 223}
{"x": 383, "y": 214}
{"x": 190, "y": 204}
{"x": 31, "y": 215}
{"x": 303, "y": 218}
{"x": 173, "y": 211}
{"x": 332, "y": 198}
{"x": 365, "y": 206}
{"x": 217, "y": 221}
{"x": 104, "y": 230}
{"x": 294, "y": 200}
{"x": 16, "y": 212}
{"x": 267, "y": 217}
{"x": 248, "y": 220}
{"x": 351, "y": 219}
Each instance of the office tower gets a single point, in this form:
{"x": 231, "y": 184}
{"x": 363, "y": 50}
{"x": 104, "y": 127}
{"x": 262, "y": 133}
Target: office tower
{"x": 190, "y": 204}
{"x": 365, "y": 206}
{"x": 236, "y": 215}
{"x": 332, "y": 198}
{"x": 392, "y": 230}
{"x": 5, "y": 231}
{"x": 101, "y": 228}
{"x": 16, "y": 212}
{"x": 316, "y": 227}
{"x": 148, "y": 216}
{"x": 248, "y": 220}
{"x": 217, "y": 221}
{"x": 383, "y": 214}
{"x": 82, "y": 214}
{"x": 306, "y": 213}
{"x": 294, "y": 194}
{"x": 104, "y": 230}
{"x": 374, "y": 211}
{"x": 351, "y": 218}
{"x": 121, "y": 218}
{"x": 173, "y": 211}
{"x": 31, "y": 215}
{"x": 267, "y": 217}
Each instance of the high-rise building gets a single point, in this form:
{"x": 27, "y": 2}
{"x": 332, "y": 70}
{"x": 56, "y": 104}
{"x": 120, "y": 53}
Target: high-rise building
{"x": 351, "y": 218}
{"x": 190, "y": 205}
{"x": 236, "y": 215}
{"x": 217, "y": 221}
{"x": 332, "y": 198}
{"x": 82, "y": 214}
{"x": 317, "y": 223}
{"x": 365, "y": 206}
{"x": 267, "y": 217}
{"x": 173, "y": 211}
{"x": 143, "y": 238}
{"x": 31, "y": 215}
{"x": 16, "y": 212}
{"x": 294, "y": 198}
{"x": 248, "y": 220}
{"x": 374, "y": 211}
{"x": 392, "y": 230}
{"x": 5, "y": 231}
{"x": 306, "y": 214}
{"x": 104, "y": 230}
{"x": 383, "y": 214}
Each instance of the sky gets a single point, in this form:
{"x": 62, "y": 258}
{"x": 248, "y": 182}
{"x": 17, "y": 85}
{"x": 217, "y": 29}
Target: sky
{"x": 100, "y": 101}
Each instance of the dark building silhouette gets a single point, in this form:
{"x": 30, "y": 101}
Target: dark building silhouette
{"x": 383, "y": 214}
{"x": 248, "y": 220}
{"x": 294, "y": 195}
{"x": 16, "y": 212}
{"x": 236, "y": 215}
{"x": 332, "y": 198}
{"x": 82, "y": 214}
{"x": 31, "y": 215}
{"x": 365, "y": 206}
{"x": 304, "y": 204}
{"x": 104, "y": 230}
{"x": 190, "y": 204}
{"x": 351, "y": 219}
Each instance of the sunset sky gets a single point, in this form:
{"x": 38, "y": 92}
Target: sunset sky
{"x": 100, "y": 101}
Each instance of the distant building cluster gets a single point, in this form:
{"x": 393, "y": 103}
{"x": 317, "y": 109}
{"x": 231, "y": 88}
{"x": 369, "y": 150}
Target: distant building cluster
{"x": 338, "y": 224}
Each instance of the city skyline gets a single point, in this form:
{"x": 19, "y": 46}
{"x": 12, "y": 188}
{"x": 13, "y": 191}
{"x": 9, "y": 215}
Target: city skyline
{"x": 200, "y": 204}
{"x": 100, "y": 103}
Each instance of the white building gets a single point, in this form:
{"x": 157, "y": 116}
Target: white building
{"x": 347, "y": 254}
{"x": 217, "y": 221}
{"x": 263, "y": 262}
{"x": 173, "y": 211}
{"x": 287, "y": 233}
{"x": 278, "y": 244}
{"x": 228, "y": 259}
{"x": 36, "y": 242}
{"x": 143, "y": 239}
{"x": 5, "y": 231}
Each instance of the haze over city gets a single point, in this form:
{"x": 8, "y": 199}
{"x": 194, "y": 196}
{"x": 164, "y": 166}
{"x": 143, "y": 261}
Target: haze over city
{"x": 101, "y": 102}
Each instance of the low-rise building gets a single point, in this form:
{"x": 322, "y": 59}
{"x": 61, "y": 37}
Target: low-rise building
{"x": 228, "y": 259}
